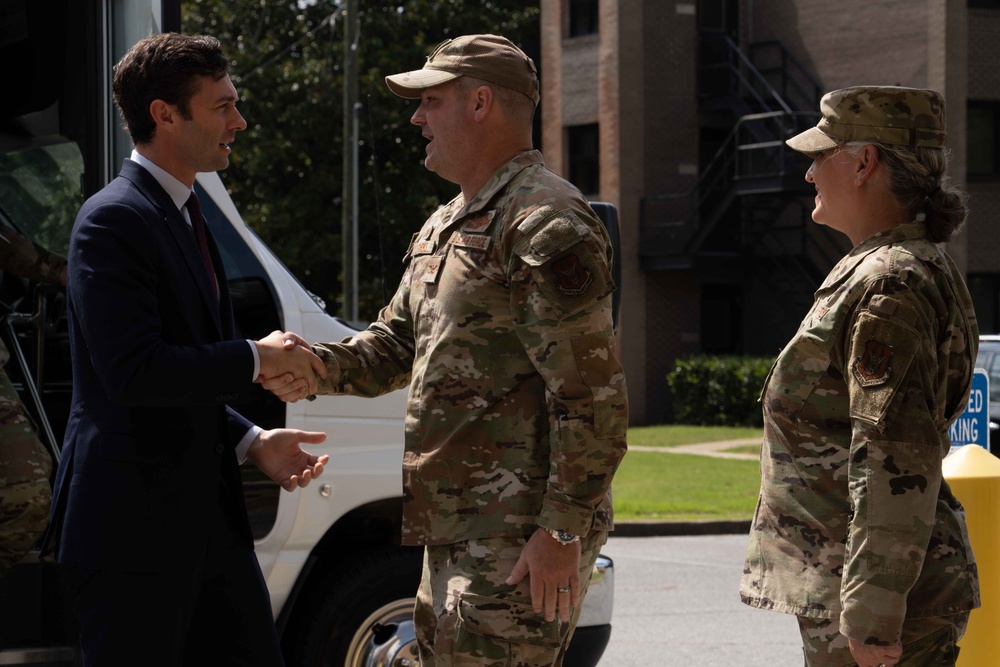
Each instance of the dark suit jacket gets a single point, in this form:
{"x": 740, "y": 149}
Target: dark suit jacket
{"x": 149, "y": 447}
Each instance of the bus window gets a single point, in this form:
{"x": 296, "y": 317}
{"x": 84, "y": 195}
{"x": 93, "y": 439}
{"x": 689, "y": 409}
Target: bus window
{"x": 41, "y": 191}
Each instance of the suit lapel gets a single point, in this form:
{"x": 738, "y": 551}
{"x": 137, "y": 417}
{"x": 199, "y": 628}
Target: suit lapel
{"x": 185, "y": 252}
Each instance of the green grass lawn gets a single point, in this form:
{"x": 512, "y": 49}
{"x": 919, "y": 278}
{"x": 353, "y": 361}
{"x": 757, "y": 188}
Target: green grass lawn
{"x": 685, "y": 487}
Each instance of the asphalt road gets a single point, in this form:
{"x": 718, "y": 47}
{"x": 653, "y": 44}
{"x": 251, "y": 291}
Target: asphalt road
{"x": 677, "y": 603}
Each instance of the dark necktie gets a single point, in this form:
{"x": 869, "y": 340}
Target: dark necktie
{"x": 198, "y": 225}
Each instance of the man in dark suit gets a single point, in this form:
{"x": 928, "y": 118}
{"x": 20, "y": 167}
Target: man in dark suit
{"x": 148, "y": 513}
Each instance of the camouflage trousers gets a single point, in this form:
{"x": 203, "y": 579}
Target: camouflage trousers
{"x": 927, "y": 642}
{"x": 25, "y": 491}
{"x": 466, "y": 616}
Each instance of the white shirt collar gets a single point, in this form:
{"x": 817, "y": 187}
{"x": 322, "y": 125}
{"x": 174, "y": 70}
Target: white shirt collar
{"x": 177, "y": 191}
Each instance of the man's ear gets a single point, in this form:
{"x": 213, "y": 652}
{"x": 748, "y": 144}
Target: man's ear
{"x": 483, "y": 102}
{"x": 162, "y": 113}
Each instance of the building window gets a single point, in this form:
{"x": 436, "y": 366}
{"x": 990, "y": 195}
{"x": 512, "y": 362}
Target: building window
{"x": 584, "y": 158}
{"x": 718, "y": 17}
{"x": 582, "y": 17}
{"x": 721, "y": 319}
{"x": 984, "y": 4}
{"x": 983, "y": 134}
{"x": 985, "y": 291}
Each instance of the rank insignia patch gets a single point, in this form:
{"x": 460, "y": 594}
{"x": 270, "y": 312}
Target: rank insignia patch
{"x": 874, "y": 365}
{"x": 572, "y": 278}
{"x": 479, "y": 223}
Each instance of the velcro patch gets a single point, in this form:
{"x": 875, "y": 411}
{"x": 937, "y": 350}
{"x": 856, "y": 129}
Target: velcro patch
{"x": 478, "y": 223}
{"x": 432, "y": 269}
{"x": 423, "y": 247}
{"x": 873, "y": 366}
{"x": 477, "y": 241}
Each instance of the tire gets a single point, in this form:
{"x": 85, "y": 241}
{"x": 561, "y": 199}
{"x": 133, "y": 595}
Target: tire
{"x": 359, "y": 615}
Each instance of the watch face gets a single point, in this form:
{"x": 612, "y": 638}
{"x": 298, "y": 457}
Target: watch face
{"x": 562, "y": 536}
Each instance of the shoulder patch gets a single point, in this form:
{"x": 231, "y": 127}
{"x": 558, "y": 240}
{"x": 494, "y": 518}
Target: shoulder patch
{"x": 572, "y": 277}
{"x": 874, "y": 365}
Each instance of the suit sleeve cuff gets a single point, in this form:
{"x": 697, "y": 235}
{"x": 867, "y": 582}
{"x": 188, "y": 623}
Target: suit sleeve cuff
{"x": 246, "y": 441}
{"x": 256, "y": 360}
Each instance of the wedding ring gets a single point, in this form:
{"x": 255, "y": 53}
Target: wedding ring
{"x": 563, "y": 590}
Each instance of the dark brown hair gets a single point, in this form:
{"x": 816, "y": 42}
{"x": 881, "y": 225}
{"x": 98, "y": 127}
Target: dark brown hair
{"x": 166, "y": 67}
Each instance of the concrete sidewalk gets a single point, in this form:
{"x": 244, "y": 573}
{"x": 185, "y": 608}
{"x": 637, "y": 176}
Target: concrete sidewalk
{"x": 671, "y": 528}
{"x": 716, "y": 449}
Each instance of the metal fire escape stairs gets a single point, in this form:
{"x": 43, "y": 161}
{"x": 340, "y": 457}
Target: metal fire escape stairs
{"x": 748, "y": 216}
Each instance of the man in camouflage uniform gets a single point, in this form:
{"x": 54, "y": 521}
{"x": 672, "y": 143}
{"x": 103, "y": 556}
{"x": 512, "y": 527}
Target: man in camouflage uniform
{"x": 25, "y": 465}
{"x": 517, "y": 406}
{"x": 855, "y": 530}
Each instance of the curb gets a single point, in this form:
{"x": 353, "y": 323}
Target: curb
{"x": 676, "y": 528}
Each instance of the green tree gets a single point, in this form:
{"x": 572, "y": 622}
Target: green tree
{"x": 285, "y": 171}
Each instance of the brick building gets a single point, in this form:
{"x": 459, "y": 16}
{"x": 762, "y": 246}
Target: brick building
{"x": 676, "y": 113}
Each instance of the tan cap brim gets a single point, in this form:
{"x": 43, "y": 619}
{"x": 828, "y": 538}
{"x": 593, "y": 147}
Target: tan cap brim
{"x": 812, "y": 141}
{"x": 409, "y": 84}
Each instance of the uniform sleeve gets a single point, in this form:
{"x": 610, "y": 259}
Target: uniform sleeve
{"x": 560, "y": 297}
{"x": 895, "y": 467}
{"x": 377, "y": 360}
{"x": 23, "y": 258}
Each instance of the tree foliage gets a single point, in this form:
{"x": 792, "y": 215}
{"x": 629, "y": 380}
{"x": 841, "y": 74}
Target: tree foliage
{"x": 285, "y": 173}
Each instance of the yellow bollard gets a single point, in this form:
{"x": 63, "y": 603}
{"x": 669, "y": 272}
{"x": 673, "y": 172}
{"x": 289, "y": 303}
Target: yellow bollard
{"x": 974, "y": 477}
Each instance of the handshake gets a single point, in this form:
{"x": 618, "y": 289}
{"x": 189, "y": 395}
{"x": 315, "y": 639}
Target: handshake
{"x": 289, "y": 368}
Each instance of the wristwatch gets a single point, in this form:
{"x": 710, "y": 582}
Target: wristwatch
{"x": 562, "y": 537}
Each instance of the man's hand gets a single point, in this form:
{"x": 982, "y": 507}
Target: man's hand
{"x": 870, "y": 655}
{"x": 288, "y": 366}
{"x": 554, "y": 571}
{"x": 278, "y": 453}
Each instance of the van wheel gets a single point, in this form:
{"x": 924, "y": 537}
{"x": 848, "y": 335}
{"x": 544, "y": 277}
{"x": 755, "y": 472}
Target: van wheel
{"x": 359, "y": 616}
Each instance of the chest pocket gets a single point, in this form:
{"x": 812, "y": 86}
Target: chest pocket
{"x": 805, "y": 362}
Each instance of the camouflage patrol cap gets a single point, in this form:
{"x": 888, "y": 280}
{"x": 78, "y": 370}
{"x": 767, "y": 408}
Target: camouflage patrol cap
{"x": 488, "y": 57}
{"x": 880, "y": 114}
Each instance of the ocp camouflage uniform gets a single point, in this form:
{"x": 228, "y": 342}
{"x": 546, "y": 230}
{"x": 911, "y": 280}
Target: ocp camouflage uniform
{"x": 927, "y": 642}
{"x": 25, "y": 465}
{"x": 854, "y": 520}
{"x": 468, "y": 616}
{"x": 501, "y": 326}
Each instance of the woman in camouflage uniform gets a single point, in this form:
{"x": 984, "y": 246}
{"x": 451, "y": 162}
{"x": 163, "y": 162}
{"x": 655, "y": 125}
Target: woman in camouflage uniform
{"x": 856, "y": 532}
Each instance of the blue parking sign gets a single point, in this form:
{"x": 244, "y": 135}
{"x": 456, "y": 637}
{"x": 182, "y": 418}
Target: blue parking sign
{"x": 973, "y": 427}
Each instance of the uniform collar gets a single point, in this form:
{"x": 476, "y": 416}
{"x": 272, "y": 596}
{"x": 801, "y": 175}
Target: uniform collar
{"x": 906, "y": 232}
{"x": 499, "y": 180}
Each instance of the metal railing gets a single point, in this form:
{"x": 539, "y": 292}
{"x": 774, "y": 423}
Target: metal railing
{"x": 744, "y": 164}
{"x": 752, "y": 159}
